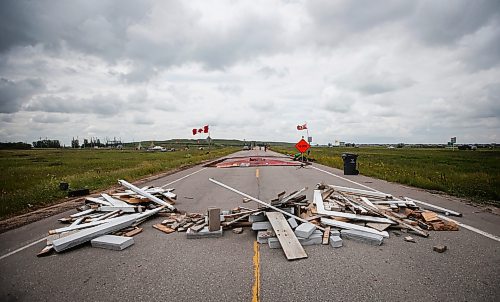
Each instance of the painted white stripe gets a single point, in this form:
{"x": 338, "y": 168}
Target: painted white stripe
{"x": 22, "y": 248}
{"x": 357, "y": 183}
{"x": 465, "y": 226}
{"x": 183, "y": 178}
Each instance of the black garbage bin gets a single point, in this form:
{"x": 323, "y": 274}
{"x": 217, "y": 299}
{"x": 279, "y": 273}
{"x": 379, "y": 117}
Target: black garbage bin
{"x": 350, "y": 163}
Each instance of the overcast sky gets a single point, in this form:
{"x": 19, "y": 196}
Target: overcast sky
{"x": 356, "y": 71}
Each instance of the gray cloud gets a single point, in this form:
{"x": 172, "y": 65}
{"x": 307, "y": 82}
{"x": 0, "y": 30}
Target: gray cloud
{"x": 97, "y": 104}
{"x": 50, "y": 119}
{"x": 13, "y": 94}
{"x": 442, "y": 23}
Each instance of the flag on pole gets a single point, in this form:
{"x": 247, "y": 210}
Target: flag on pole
{"x": 302, "y": 127}
{"x": 201, "y": 130}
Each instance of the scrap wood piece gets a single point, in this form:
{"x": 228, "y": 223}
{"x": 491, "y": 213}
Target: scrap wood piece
{"x": 350, "y": 226}
{"x": 163, "y": 228}
{"x": 145, "y": 194}
{"x": 133, "y": 232}
{"x": 289, "y": 242}
{"x": 46, "y": 251}
{"x": 259, "y": 201}
{"x": 318, "y": 200}
{"x": 444, "y": 225}
{"x": 430, "y": 216}
{"x": 326, "y": 235}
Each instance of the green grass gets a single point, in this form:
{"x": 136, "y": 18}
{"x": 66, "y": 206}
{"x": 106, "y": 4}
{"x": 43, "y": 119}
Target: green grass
{"x": 472, "y": 174}
{"x": 30, "y": 178}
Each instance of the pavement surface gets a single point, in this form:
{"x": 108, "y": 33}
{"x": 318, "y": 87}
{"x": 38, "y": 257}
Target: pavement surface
{"x": 161, "y": 267}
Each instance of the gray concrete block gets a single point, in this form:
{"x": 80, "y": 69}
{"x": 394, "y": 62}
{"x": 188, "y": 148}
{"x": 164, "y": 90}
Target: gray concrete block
{"x": 261, "y": 226}
{"x": 263, "y": 236}
{"x": 366, "y": 237}
{"x": 335, "y": 233}
{"x": 305, "y": 230}
{"x": 274, "y": 243}
{"x": 292, "y": 222}
{"x": 315, "y": 238}
{"x": 112, "y": 242}
{"x": 335, "y": 241}
{"x": 257, "y": 217}
{"x": 204, "y": 233}
{"x": 289, "y": 210}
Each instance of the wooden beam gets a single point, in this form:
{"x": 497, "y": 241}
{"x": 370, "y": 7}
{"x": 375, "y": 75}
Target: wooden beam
{"x": 289, "y": 242}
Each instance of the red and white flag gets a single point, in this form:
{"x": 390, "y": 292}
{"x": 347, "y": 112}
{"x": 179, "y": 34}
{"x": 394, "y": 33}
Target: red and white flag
{"x": 201, "y": 130}
{"x": 302, "y": 127}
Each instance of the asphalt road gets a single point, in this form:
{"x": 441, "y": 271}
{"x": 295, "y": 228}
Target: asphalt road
{"x": 161, "y": 267}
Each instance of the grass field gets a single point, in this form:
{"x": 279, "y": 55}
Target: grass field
{"x": 30, "y": 178}
{"x": 472, "y": 174}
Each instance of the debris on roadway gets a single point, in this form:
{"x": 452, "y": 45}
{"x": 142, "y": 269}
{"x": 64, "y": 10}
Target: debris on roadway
{"x": 118, "y": 214}
{"x": 290, "y": 222}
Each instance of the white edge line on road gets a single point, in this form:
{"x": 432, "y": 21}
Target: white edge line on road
{"x": 172, "y": 182}
{"x": 465, "y": 226}
{"x": 357, "y": 183}
{"x": 22, "y": 248}
{"x": 45, "y": 238}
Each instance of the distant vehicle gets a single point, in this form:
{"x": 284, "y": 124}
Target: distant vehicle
{"x": 157, "y": 148}
{"x": 246, "y": 147}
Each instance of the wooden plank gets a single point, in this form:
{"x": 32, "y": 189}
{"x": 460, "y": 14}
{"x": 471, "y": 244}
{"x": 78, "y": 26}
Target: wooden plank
{"x": 133, "y": 232}
{"x": 430, "y": 216}
{"x": 289, "y": 243}
{"x": 163, "y": 228}
{"x": 326, "y": 235}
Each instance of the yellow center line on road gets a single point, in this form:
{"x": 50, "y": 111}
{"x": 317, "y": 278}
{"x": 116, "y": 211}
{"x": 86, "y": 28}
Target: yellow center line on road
{"x": 257, "y": 173}
{"x": 256, "y": 273}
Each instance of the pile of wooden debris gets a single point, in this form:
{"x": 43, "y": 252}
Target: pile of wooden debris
{"x": 334, "y": 214}
{"x": 117, "y": 213}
